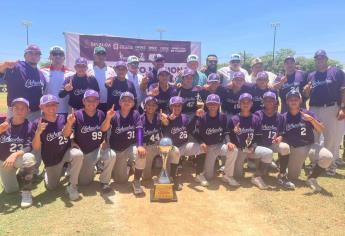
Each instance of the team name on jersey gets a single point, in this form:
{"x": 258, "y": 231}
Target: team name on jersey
{"x": 79, "y": 92}
{"x": 150, "y": 132}
{"x": 268, "y": 127}
{"x": 257, "y": 99}
{"x": 88, "y": 129}
{"x": 246, "y": 130}
{"x": 288, "y": 85}
{"x": 54, "y": 135}
{"x": 211, "y": 131}
{"x": 33, "y": 83}
{"x": 294, "y": 126}
{"x": 122, "y": 129}
{"x": 116, "y": 93}
{"x": 9, "y": 139}
{"x": 320, "y": 83}
{"x": 176, "y": 130}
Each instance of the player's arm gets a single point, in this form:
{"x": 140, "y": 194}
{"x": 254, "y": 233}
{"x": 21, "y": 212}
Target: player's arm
{"x": 11, "y": 159}
{"x": 36, "y": 142}
{"x": 68, "y": 128}
{"x": 106, "y": 123}
{"x": 318, "y": 126}
{"x": 6, "y": 65}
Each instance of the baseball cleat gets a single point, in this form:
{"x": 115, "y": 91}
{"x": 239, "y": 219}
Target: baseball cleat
{"x": 312, "y": 182}
{"x": 259, "y": 182}
{"x": 339, "y": 162}
{"x": 137, "y": 189}
{"x": 26, "y": 199}
{"x": 286, "y": 183}
{"x": 331, "y": 171}
{"x": 73, "y": 193}
{"x": 201, "y": 179}
{"x": 105, "y": 188}
{"x": 231, "y": 181}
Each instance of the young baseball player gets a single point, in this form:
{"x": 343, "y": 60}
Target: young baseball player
{"x": 76, "y": 85}
{"x": 245, "y": 135}
{"x": 178, "y": 127}
{"x": 119, "y": 85}
{"x": 152, "y": 127}
{"x": 162, "y": 90}
{"x": 126, "y": 139}
{"x": 299, "y": 128}
{"x": 211, "y": 129}
{"x": 55, "y": 148}
{"x": 85, "y": 124}
{"x": 271, "y": 126}
{"x": 15, "y": 145}
{"x": 188, "y": 93}
{"x": 212, "y": 87}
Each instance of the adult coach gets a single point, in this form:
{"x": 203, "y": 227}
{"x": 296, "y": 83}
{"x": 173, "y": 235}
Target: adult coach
{"x": 228, "y": 71}
{"x": 101, "y": 72}
{"x": 326, "y": 90}
{"x": 199, "y": 78}
{"x": 24, "y": 79}
{"x": 55, "y": 75}
{"x": 258, "y": 66}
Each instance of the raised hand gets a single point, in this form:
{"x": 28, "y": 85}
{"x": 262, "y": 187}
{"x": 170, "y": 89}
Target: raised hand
{"x": 163, "y": 117}
{"x": 307, "y": 89}
{"x": 69, "y": 86}
{"x": 4, "y": 126}
{"x": 41, "y": 126}
{"x": 111, "y": 112}
{"x": 237, "y": 129}
{"x": 109, "y": 82}
{"x": 71, "y": 118}
{"x": 200, "y": 113}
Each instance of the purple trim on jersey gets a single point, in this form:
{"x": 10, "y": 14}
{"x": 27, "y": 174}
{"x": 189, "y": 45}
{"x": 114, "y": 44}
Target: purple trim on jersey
{"x": 269, "y": 127}
{"x": 211, "y": 130}
{"x": 87, "y": 130}
{"x": 25, "y": 81}
{"x": 140, "y": 136}
{"x": 152, "y": 131}
{"x": 15, "y": 138}
{"x": 53, "y": 144}
{"x": 117, "y": 88}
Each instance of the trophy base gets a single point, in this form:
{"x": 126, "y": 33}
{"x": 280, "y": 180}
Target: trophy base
{"x": 163, "y": 192}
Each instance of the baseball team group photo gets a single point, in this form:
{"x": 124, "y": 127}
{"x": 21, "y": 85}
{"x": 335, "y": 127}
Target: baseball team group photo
{"x": 107, "y": 135}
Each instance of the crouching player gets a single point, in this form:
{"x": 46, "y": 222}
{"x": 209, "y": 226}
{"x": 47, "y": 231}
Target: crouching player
{"x": 178, "y": 126}
{"x": 126, "y": 139}
{"x": 15, "y": 145}
{"x": 211, "y": 128}
{"x": 244, "y": 133}
{"x": 55, "y": 148}
{"x": 271, "y": 126}
{"x": 299, "y": 128}
{"x": 86, "y": 124}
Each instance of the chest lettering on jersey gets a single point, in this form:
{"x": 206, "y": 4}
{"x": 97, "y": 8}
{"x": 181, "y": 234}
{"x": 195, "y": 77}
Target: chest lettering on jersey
{"x": 79, "y": 92}
{"x": 211, "y": 131}
{"x": 88, "y": 129}
{"x": 122, "y": 129}
{"x": 33, "y": 83}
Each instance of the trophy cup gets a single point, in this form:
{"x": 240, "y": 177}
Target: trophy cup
{"x": 163, "y": 187}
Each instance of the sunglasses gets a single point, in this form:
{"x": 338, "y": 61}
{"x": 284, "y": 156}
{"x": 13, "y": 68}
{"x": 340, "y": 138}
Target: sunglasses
{"x": 58, "y": 54}
{"x": 101, "y": 53}
{"x": 235, "y": 62}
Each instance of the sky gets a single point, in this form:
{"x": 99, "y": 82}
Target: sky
{"x": 223, "y": 27}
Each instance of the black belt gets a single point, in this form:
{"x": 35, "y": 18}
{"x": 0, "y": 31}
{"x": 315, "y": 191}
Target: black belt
{"x": 324, "y": 105}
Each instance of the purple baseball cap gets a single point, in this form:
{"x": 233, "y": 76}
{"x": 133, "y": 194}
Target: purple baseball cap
{"x": 81, "y": 61}
{"x": 163, "y": 69}
{"x": 213, "y": 98}
{"x": 188, "y": 71}
{"x": 293, "y": 93}
{"x": 270, "y": 94}
{"x": 289, "y": 58}
{"x": 32, "y": 48}
{"x": 45, "y": 99}
{"x": 262, "y": 75}
{"x": 245, "y": 96}
{"x": 320, "y": 52}
{"x": 176, "y": 100}
{"x": 23, "y": 100}
{"x": 91, "y": 93}
{"x": 150, "y": 98}
{"x": 127, "y": 94}
{"x": 158, "y": 57}
{"x": 120, "y": 64}
{"x": 213, "y": 77}
{"x": 239, "y": 74}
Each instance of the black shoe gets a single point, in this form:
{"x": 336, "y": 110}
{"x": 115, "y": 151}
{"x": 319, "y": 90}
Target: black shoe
{"x": 105, "y": 188}
{"x": 177, "y": 185}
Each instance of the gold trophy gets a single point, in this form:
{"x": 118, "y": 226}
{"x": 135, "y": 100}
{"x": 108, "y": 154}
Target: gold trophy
{"x": 163, "y": 187}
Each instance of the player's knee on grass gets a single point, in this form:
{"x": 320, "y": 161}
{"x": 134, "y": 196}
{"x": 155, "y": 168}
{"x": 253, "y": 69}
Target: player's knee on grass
{"x": 284, "y": 149}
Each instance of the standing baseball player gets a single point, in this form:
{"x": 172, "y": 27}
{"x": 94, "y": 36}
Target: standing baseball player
{"x": 55, "y": 148}
{"x": 86, "y": 125}
{"x": 15, "y": 145}
{"x": 326, "y": 92}
{"x": 245, "y": 133}
{"x": 76, "y": 85}
{"x": 188, "y": 93}
{"x": 213, "y": 87}
{"x": 299, "y": 128}
{"x": 116, "y": 86}
{"x": 126, "y": 139}
{"x": 293, "y": 79}
{"x": 211, "y": 129}
{"x": 271, "y": 126}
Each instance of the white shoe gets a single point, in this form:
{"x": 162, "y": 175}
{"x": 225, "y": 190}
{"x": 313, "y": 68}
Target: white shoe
{"x": 73, "y": 193}
{"x": 26, "y": 199}
{"x": 201, "y": 179}
{"x": 259, "y": 182}
{"x": 231, "y": 181}
{"x": 137, "y": 187}
{"x": 312, "y": 182}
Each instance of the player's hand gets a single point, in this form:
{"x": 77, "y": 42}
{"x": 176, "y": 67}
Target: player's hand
{"x": 203, "y": 69}
{"x": 231, "y": 146}
{"x": 41, "y": 127}
{"x": 276, "y": 139}
{"x": 9, "y": 162}
{"x": 111, "y": 112}
{"x": 307, "y": 89}
{"x": 4, "y": 126}
{"x": 172, "y": 116}
{"x": 230, "y": 85}
{"x": 206, "y": 87}
{"x": 237, "y": 129}
{"x": 306, "y": 117}
{"x": 109, "y": 82}
{"x": 69, "y": 87}
{"x": 178, "y": 85}
{"x": 141, "y": 152}
{"x": 203, "y": 147}
{"x": 104, "y": 145}
{"x": 200, "y": 113}
{"x": 71, "y": 118}
{"x": 163, "y": 116}
{"x": 341, "y": 114}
